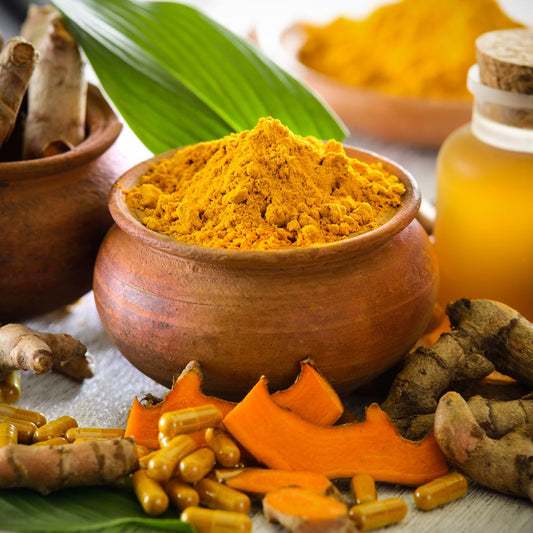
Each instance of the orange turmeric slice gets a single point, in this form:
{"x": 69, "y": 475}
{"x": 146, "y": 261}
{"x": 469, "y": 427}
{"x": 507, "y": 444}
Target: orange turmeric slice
{"x": 311, "y": 396}
{"x": 280, "y": 439}
{"x": 259, "y": 481}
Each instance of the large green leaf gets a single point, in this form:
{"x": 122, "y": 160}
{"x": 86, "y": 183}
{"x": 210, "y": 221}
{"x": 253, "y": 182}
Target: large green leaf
{"x": 177, "y": 77}
{"x": 87, "y": 509}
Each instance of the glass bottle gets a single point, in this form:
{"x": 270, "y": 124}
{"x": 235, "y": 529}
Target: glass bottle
{"x": 484, "y": 224}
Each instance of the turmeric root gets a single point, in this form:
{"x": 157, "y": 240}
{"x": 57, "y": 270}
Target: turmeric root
{"x": 504, "y": 464}
{"x": 58, "y": 77}
{"x": 485, "y": 335}
{"x": 48, "y": 468}
{"x": 494, "y": 416}
{"x": 303, "y": 511}
{"x": 259, "y": 481}
{"x": 22, "y": 348}
{"x": 17, "y": 62}
{"x": 36, "y": 24}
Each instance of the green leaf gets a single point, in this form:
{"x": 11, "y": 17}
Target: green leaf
{"x": 87, "y": 509}
{"x": 177, "y": 77}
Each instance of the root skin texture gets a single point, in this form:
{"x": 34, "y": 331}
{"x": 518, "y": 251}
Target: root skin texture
{"x": 504, "y": 464}
{"x": 486, "y": 335}
{"x": 22, "y": 348}
{"x": 58, "y": 77}
{"x": 49, "y": 468}
{"x": 17, "y": 61}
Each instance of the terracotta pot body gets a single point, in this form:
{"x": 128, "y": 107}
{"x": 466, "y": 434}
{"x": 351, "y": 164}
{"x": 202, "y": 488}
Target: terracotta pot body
{"x": 53, "y": 217}
{"x": 356, "y": 306}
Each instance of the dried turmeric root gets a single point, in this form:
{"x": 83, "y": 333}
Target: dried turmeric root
{"x": 58, "y": 77}
{"x": 22, "y": 348}
{"x": 48, "y": 468}
{"x": 486, "y": 335}
{"x": 300, "y": 510}
{"x": 504, "y": 464}
{"x": 17, "y": 62}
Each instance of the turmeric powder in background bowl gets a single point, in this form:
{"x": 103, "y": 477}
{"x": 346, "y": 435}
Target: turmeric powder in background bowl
{"x": 255, "y": 251}
{"x": 400, "y": 72}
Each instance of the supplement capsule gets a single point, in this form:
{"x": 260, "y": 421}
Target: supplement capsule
{"x": 219, "y": 496}
{"x": 164, "y": 461}
{"x": 209, "y": 521}
{"x": 8, "y": 434}
{"x": 56, "y": 441}
{"x": 189, "y": 420}
{"x": 440, "y": 491}
{"x": 25, "y": 429}
{"x": 163, "y": 439}
{"x": 379, "y": 513}
{"x": 363, "y": 489}
{"x": 10, "y": 388}
{"x": 149, "y": 492}
{"x": 145, "y": 459}
{"x": 197, "y": 465}
{"x": 226, "y": 450}
{"x": 12, "y": 411}
{"x": 55, "y": 428}
{"x": 182, "y": 495}
{"x": 94, "y": 433}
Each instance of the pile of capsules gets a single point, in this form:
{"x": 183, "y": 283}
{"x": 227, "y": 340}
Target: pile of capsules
{"x": 179, "y": 471}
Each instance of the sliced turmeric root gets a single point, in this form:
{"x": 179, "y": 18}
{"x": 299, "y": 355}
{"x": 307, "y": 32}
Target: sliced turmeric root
{"x": 311, "y": 396}
{"x": 280, "y": 439}
{"x": 143, "y": 420}
{"x": 260, "y": 481}
{"x": 303, "y": 511}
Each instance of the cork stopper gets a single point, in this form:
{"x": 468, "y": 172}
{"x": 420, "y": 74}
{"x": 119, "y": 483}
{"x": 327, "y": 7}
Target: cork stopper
{"x": 505, "y": 60}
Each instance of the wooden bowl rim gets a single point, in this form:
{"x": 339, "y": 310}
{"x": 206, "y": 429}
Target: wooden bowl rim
{"x": 103, "y": 127}
{"x": 359, "y": 244}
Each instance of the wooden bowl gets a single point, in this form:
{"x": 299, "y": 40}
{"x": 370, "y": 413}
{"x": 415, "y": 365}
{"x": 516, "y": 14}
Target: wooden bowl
{"x": 355, "y": 306}
{"x": 54, "y": 215}
{"x": 416, "y": 121}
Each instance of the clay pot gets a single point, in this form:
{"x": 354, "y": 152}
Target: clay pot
{"x": 355, "y": 306}
{"x": 53, "y": 217}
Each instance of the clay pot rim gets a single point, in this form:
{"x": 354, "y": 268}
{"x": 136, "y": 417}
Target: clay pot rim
{"x": 103, "y": 128}
{"x": 323, "y": 253}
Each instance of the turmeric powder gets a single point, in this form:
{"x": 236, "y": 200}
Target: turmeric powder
{"x": 419, "y": 48}
{"x": 265, "y": 188}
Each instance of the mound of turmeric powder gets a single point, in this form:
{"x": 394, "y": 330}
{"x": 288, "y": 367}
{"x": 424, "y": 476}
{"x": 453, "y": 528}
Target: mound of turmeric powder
{"x": 420, "y": 48}
{"x": 264, "y": 188}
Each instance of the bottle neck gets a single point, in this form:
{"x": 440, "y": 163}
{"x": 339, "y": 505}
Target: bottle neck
{"x": 501, "y": 118}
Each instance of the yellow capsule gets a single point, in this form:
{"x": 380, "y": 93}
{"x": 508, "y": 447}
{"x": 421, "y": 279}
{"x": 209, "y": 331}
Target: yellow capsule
{"x": 10, "y": 388}
{"x": 149, "y": 492}
{"x": 379, "y": 513}
{"x": 56, "y": 441}
{"x": 145, "y": 459}
{"x": 363, "y": 489}
{"x": 219, "y": 496}
{"x": 196, "y": 465}
{"x": 440, "y": 491}
{"x": 25, "y": 429}
{"x": 8, "y": 434}
{"x": 209, "y": 521}
{"x": 163, "y": 439}
{"x": 181, "y": 494}
{"x": 94, "y": 433}
{"x": 226, "y": 450}
{"x": 189, "y": 420}
{"x": 55, "y": 428}
{"x": 164, "y": 461}
{"x": 13, "y": 411}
